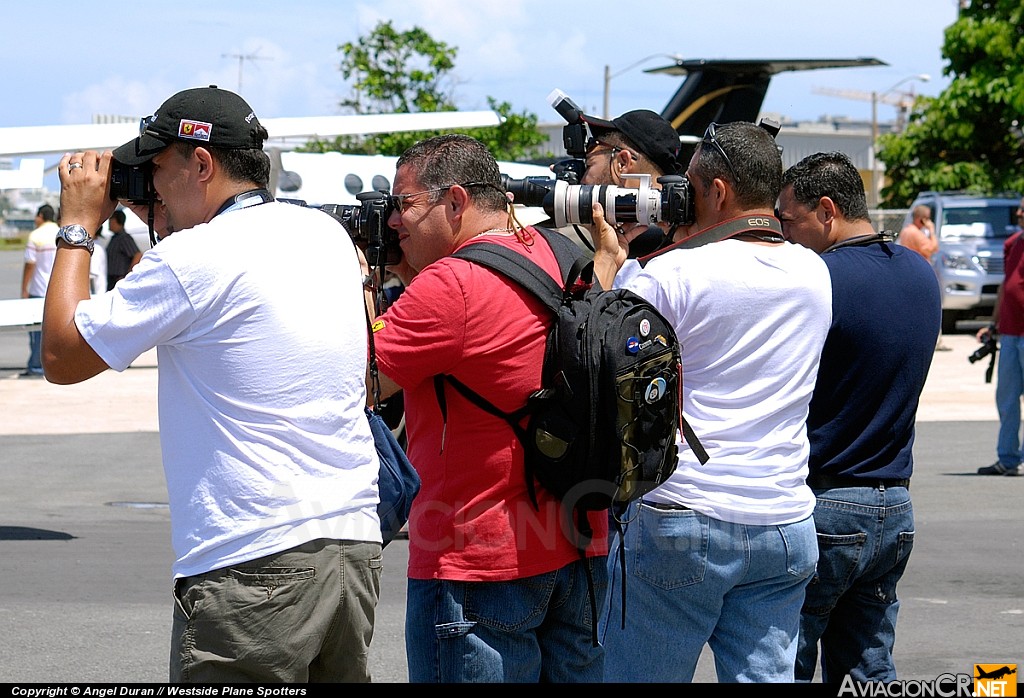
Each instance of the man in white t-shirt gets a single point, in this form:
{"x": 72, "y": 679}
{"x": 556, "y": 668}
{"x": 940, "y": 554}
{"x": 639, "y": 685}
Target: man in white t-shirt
{"x": 270, "y": 465}
{"x": 720, "y": 554}
{"x": 39, "y": 253}
{"x": 97, "y": 266}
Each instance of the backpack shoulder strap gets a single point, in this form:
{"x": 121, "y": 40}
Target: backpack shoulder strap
{"x": 566, "y": 251}
{"x": 517, "y": 267}
{"x": 572, "y": 262}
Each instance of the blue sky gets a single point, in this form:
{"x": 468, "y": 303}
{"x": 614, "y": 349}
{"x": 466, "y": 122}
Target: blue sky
{"x": 65, "y": 61}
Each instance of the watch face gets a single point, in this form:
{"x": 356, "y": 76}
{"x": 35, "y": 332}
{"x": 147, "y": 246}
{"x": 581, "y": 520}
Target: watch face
{"x": 75, "y": 234}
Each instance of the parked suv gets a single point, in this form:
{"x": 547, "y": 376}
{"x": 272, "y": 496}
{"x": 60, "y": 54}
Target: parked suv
{"x": 971, "y": 230}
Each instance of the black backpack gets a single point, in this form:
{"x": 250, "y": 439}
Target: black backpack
{"x": 601, "y": 430}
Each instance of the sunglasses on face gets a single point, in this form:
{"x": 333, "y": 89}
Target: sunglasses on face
{"x": 398, "y": 201}
{"x": 593, "y": 143}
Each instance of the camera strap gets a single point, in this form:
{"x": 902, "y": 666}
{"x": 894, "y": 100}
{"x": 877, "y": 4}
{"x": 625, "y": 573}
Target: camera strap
{"x": 253, "y": 197}
{"x": 862, "y": 240}
{"x": 765, "y": 227}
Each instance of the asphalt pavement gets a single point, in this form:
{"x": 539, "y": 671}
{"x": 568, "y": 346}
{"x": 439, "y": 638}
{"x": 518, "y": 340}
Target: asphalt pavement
{"x": 85, "y": 552}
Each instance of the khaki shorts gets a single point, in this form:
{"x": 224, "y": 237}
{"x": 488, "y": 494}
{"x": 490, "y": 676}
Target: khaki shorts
{"x": 302, "y": 615}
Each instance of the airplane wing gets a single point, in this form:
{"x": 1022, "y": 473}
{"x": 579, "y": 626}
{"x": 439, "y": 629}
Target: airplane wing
{"x": 356, "y": 124}
{"x": 31, "y": 140}
{"x": 21, "y": 314}
{"x": 732, "y": 89}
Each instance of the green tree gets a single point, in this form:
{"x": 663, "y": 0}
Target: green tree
{"x": 407, "y": 72}
{"x": 969, "y": 137}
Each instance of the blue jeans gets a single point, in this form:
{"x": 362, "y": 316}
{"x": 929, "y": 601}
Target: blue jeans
{"x": 1009, "y": 387}
{"x": 35, "y": 345}
{"x": 865, "y": 535}
{"x": 693, "y": 580}
{"x": 525, "y": 630}
{"x": 35, "y": 361}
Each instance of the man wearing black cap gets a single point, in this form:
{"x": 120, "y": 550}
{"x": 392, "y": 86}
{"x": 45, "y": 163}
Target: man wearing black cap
{"x": 639, "y": 142}
{"x": 261, "y": 349}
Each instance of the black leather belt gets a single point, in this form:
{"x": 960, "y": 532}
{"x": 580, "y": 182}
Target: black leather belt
{"x": 666, "y": 507}
{"x": 819, "y": 481}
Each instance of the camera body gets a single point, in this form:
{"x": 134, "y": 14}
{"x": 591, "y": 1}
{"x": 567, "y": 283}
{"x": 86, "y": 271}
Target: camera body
{"x": 989, "y": 346}
{"x": 574, "y": 138}
{"x": 367, "y": 224}
{"x": 132, "y": 183}
{"x": 570, "y": 204}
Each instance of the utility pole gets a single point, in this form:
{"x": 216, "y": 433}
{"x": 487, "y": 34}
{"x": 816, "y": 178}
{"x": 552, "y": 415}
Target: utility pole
{"x": 608, "y": 75}
{"x": 902, "y": 100}
{"x": 242, "y": 57}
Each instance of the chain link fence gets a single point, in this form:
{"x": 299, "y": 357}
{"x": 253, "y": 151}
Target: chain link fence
{"x": 890, "y": 219}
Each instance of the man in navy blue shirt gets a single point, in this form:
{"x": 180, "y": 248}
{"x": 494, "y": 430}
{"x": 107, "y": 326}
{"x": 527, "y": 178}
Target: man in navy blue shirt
{"x": 886, "y": 318}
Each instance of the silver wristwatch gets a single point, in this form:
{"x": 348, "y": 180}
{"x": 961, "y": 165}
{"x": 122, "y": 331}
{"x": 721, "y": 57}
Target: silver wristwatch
{"x": 76, "y": 236}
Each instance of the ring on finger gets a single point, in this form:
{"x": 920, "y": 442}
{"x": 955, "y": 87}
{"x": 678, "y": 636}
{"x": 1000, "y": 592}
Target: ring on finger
{"x": 74, "y": 166}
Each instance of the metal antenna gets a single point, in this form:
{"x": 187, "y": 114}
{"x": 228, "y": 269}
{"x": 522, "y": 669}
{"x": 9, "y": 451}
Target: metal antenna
{"x": 242, "y": 57}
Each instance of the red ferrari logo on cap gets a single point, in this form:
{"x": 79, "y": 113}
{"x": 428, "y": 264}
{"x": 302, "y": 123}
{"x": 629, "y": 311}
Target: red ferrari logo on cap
{"x": 196, "y": 130}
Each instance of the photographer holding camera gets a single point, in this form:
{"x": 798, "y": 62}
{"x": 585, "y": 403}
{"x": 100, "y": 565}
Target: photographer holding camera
{"x": 638, "y": 142}
{"x": 1008, "y": 325}
{"x": 861, "y": 419}
{"x": 720, "y": 553}
{"x": 497, "y": 591}
{"x": 268, "y": 456}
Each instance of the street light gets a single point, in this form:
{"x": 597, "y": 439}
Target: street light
{"x": 876, "y": 97}
{"x": 608, "y": 74}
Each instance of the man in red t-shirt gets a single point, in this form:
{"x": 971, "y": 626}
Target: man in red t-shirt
{"x": 497, "y": 591}
{"x": 1008, "y": 324}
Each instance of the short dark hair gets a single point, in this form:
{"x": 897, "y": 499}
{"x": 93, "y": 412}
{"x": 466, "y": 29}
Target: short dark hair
{"x": 47, "y": 213}
{"x": 240, "y": 164}
{"x": 833, "y": 175}
{"x": 119, "y": 216}
{"x": 444, "y": 161}
{"x": 755, "y": 158}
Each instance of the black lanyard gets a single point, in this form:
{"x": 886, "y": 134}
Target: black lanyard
{"x": 862, "y": 240}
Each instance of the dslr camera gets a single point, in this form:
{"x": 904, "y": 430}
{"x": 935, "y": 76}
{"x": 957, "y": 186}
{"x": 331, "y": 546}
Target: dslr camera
{"x": 989, "y": 346}
{"x": 367, "y": 224}
{"x": 570, "y": 204}
{"x": 132, "y": 183}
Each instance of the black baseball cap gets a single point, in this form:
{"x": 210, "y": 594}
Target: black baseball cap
{"x": 203, "y": 115}
{"x": 650, "y": 133}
